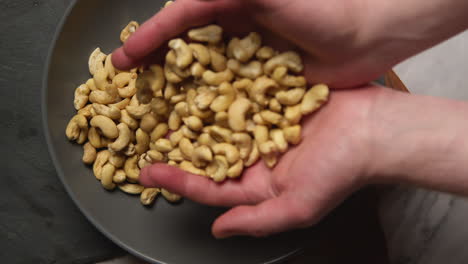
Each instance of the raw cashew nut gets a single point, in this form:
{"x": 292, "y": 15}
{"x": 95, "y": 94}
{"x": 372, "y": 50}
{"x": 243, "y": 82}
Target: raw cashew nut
{"x": 91, "y": 84}
{"x": 101, "y": 159}
{"x": 174, "y": 121}
{"x": 217, "y": 78}
{"x": 129, "y": 90}
{"x": 260, "y": 88}
{"x": 170, "y": 75}
{"x": 111, "y": 112}
{"x": 207, "y": 140}
{"x": 197, "y": 70}
{"x": 201, "y": 53}
{"x": 193, "y": 122}
{"x": 289, "y": 59}
{"x": 148, "y": 196}
{"x": 225, "y": 99}
{"x": 275, "y": 106}
{"x": 109, "y": 67}
{"x": 107, "y": 176}
{"x": 260, "y": 134}
{"x": 218, "y": 61}
{"x": 96, "y": 61}
{"x": 217, "y": 169}
{"x": 81, "y": 96}
{"x": 129, "y": 150}
{"x": 314, "y": 98}
{"x": 148, "y": 122}
{"x": 117, "y": 159}
{"x": 293, "y": 134}
{"x": 77, "y": 129}
{"x": 205, "y": 97}
{"x": 243, "y": 142}
{"x": 235, "y": 170}
{"x": 271, "y": 117}
{"x": 269, "y": 153}
{"x": 244, "y": 49}
{"x": 130, "y": 188}
{"x": 188, "y": 133}
{"x": 265, "y": 53}
{"x": 210, "y": 34}
{"x": 89, "y": 154}
{"x": 220, "y": 134}
{"x": 170, "y": 197}
{"x": 127, "y": 119}
{"x": 131, "y": 169}
{"x": 178, "y": 98}
{"x": 101, "y": 97}
{"x": 159, "y": 131}
{"x": 105, "y": 125}
{"x": 122, "y": 104}
{"x": 293, "y": 114}
{"x": 155, "y": 156}
{"x": 184, "y": 54}
{"x": 143, "y": 140}
{"x": 123, "y": 140}
{"x": 100, "y": 79}
{"x": 163, "y": 145}
{"x": 160, "y": 106}
{"x": 128, "y": 31}
{"x": 189, "y": 167}
{"x": 277, "y": 136}
{"x": 87, "y": 111}
{"x": 201, "y": 156}
{"x": 228, "y": 150}
{"x": 119, "y": 177}
{"x": 251, "y": 70}
{"x": 221, "y": 119}
{"x": 186, "y": 148}
{"x": 138, "y": 111}
{"x": 254, "y": 156}
{"x": 237, "y": 113}
{"x": 280, "y": 75}
{"x": 290, "y": 97}
{"x": 175, "y": 155}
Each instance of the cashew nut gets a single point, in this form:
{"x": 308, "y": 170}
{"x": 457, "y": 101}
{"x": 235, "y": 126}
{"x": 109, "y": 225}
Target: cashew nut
{"x": 221, "y": 119}
{"x": 87, "y": 111}
{"x": 119, "y": 177}
{"x": 138, "y": 111}
{"x": 109, "y": 67}
{"x": 254, "y": 155}
{"x": 148, "y": 196}
{"x": 143, "y": 140}
{"x": 189, "y": 167}
{"x": 265, "y": 53}
{"x": 107, "y": 175}
{"x": 128, "y": 31}
{"x": 81, "y": 96}
{"x": 160, "y": 106}
{"x": 184, "y": 54}
{"x": 170, "y": 197}
{"x": 159, "y": 131}
{"x": 271, "y": 117}
{"x": 244, "y": 49}
{"x": 218, "y": 61}
{"x": 101, "y": 97}
{"x": 235, "y": 170}
{"x": 163, "y": 145}
{"x": 217, "y": 169}
{"x": 280, "y": 74}
{"x": 243, "y": 142}
{"x": 228, "y": 150}
{"x": 314, "y": 98}
{"x": 260, "y": 134}
{"x": 188, "y": 133}
{"x": 124, "y": 138}
{"x": 122, "y": 104}
{"x": 89, "y": 153}
{"x": 225, "y": 99}
{"x": 269, "y": 152}
{"x": 175, "y": 155}
{"x": 174, "y": 121}
{"x": 274, "y": 105}
{"x": 277, "y": 136}
{"x": 293, "y": 114}
{"x": 201, "y": 156}
{"x": 201, "y": 53}
{"x": 129, "y": 90}
{"x": 127, "y": 119}
{"x": 130, "y": 188}
{"x": 131, "y": 169}
{"x": 105, "y": 125}
{"x": 96, "y": 61}
{"x": 289, "y": 59}
{"x": 111, "y": 112}
{"x": 186, "y": 148}
{"x": 293, "y": 134}
{"x": 210, "y": 34}
{"x": 251, "y": 70}
{"x": 193, "y": 122}
{"x": 101, "y": 159}
{"x": 197, "y": 70}
{"x": 217, "y": 78}
{"x": 260, "y": 88}
{"x": 237, "y": 113}
{"x": 207, "y": 140}
{"x": 77, "y": 129}
{"x": 148, "y": 122}
{"x": 220, "y": 134}
{"x": 205, "y": 97}
{"x": 116, "y": 159}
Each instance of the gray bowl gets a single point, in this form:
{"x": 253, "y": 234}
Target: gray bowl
{"x": 164, "y": 233}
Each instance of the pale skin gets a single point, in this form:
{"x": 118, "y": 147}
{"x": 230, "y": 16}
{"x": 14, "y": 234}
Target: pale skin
{"x": 363, "y": 135}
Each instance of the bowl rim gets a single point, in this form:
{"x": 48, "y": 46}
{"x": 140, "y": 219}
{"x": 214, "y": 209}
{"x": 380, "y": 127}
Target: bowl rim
{"x": 58, "y": 168}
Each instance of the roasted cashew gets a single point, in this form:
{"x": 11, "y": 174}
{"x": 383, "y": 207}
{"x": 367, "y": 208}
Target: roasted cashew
{"x": 95, "y": 138}
{"x": 243, "y": 85}
{"x": 107, "y": 175}
{"x": 217, "y": 78}
{"x": 275, "y": 106}
{"x": 163, "y": 145}
{"x": 289, "y": 59}
{"x": 314, "y": 98}
{"x": 207, "y": 140}
{"x": 201, "y": 156}
{"x": 271, "y": 117}
{"x": 109, "y": 67}
{"x": 158, "y": 81}
{"x": 116, "y": 159}
{"x": 237, "y": 114}
{"x": 105, "y": 125}
{"x": 184, "y": 54}
{"x": 77, "y": 129}
{"x": 100, "y": 79}
{"x": 129, "y": 150}
{"x": 174, "y": 121}
{"x": 170, "y": 75}
{"x": 127, "y": 119}
{"x": 89, "y": 153}
{"x": 244, "y": 49}
{"x": 217, "y": 169}
{"x": 160, "y": 106}
{"x": 91, "y": 84}
{"x": 228, "y": 150}
{"x": 251, "y": 70}
{"x": 101, "y": 97}
{"x": 189, "y": 167}
{"x": 96, "y": 61}
{"x": 210, "y": 34}
{"x": 122, "y": 104}
{"x": 148, "y": 122}
{"x": 277, "y": 136}
{"x": 188, "y": 133}
{"x": 269, "y": 153}
{"x": 204, "y": 97}
{"x": 148, "y": 196}
{"x": 170, "y": 90}
{"x": 81, "y": 96}
{"x": 260, "y": 88}
{"x": 170, "y": 197}
{"x": 235, "y": 170}
{"x": 260, "y": 134}
{"x": 221, "y": 119}
{"x": 130, "y": 188}
{"x": 129, "y": 90}
{"x": 175, "y": 155}
{"x": 123, "y": 140}
{"x": 220, "y": 134}
{"x": 159, "y": 131}
{"x": 87, "y": 111}
{"x": 193, "y": 122}
{"x": 218, "y": 61}
{"x": 138, "y": 111}
{"x": 186, "y": 148}
{"x": 128, "y": 31}
{"x": 253, "y": 157}
{"x": 227, "y": 95}
{"x": 101, "y": 159}
{"x": 111, "y": 112}
{"x": 293, "y": 134}
{"x": 290, "y": 97}
{"x": 119, "y": 177}
{"x": 258, "y": 119}
{"x": 293, "y": 114}
{"x": 243, "y": 142}
{"x": 131, "y": 169}
{"x": 201, "y": 53}
{"x": 143, "y": 140}
{"x": 265, "y": 53}
{"x": 197, "y": 70}
{"x": 280, "y": 75}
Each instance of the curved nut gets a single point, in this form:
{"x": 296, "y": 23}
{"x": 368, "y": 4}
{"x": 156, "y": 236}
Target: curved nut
{"x": 194, "y": 123}
{"x": 260, "y": 134}
{"x": 220, "y": 134}
{"x": 217, "y": 169}
{"x": 201, "y": 156}
{"x": 243, "y": 142}
{"x": 128, "y": 120}
{"x": 144, "y": 161}
{"x": 221, "y": 119}
{"x": 170, "y": 75}
{"x": 186, "y": 148}
{"x": 219, "y": 47}
{"x": 96, "y": 61}
{"x": 184, "y": 54}
{"x": 128, "y": 31}
{"x": 101, "y": 159}
{"x": 91, "y": 84}
{"x": 265, "y": 53}
{"x": 144, "y": 93}
{"x": 89, "y": 154}
{"x": 101, "y": 97}
{"x": 107, "y": 175}
{"x": 277, "y": 136}
{"x": 314, "y": 98}
{"x": 148, "y": 196}
{"x": 116, "y": 159}
{"x": 258, "y": 119}
{"x": 77, "y": 129}
{"x": 290, "y": 97}
{"x": 227, "y": 95}
{"x": 254, "y": 156}
{"x": 100, "y": 79}
{"x": 122, "y": 104}
{"x": 182, "y": 109}
{"x": 95, "y": 138}
{"x": 188, "y": 133}
{"x": 289, "y": 59}
{"x": 174, "y": 121}
{"x": 269, "y": 153}
{"x": 111, "y": 112}
{"x": 292, "y": 134}
{"x": 81, "y": 96}
{"x": 109, "y": 67}
{"x": 201, "y": 53}
{"x": 131, "y": 169}
{"x": 130, "y": 188}
{"x": 170, "y": 90}
{"x": 175, "y": 155}
{"x": 217, "y": 78}
{"x": 244, "y": 49}
{"x": 158, "y": 81}
{"x": 204, "y": 98}
{"x": 159, "y": 131}
{"x": 252, "y": 70}
{"x": 123, "y": 140}
{"x": 123, "y": 79}
{"x": 138, "y": 111}
{"x": 210, "y": 34}
{"x": 218, "y": 61}
{"x": 170, "y": 197}
{"x": 119, "y": 177}
{"x": 237, "y": 113}
{"x": 274, "y": 105}
{"x": 189, "y": 167}
{"x": 129, "y": 150}
{"x": 280, "y": 74}
{"x": 129, "y": 90}
{"x": 178, "y": 98}
{"x": 228, "y": 150}
{"x": 87, "y": 111}
{"x": 260, "y": 88}
{"x": 206, "y": 139}
{"x": 235, "y": 170}
{"x": 148, "y": 122}
{"x": 293, "y": 114}
{"x": 160, "y": 106}
{"x": 143, "y": 140}
{"x": 163, "y": 145}
{"x": 197, "y": 70}
{"x": 105, "y": 125}
{"x": 271, "y": 117}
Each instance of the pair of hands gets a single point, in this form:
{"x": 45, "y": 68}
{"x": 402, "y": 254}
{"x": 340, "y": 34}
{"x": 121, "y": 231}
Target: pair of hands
{"x": 338, "y": 150}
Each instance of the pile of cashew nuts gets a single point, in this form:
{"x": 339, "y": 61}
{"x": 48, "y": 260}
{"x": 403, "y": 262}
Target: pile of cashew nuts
{"x": 212, "y": 109}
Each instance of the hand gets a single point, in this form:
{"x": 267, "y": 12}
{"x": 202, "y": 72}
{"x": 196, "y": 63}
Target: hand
{"x": 309, "y": 180}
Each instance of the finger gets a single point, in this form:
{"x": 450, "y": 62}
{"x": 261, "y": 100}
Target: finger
{"x": 197, "y": 188}
{"x": 271, "y": 216}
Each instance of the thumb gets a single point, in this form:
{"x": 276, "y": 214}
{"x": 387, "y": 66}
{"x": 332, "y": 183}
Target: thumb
{"x": 271, "y": 216}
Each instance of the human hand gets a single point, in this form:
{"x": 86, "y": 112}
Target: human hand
{"x": 309, "y": 180}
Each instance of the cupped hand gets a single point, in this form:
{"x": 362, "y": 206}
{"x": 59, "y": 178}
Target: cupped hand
{"x": 332, "y": 161}
{"x": 331, "y": 35}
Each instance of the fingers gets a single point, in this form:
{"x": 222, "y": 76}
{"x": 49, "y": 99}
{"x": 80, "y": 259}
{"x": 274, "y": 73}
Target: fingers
{"x": 197, "y": 188}
{"x": 271, "y": 216}
{"x": 168, "y": 23}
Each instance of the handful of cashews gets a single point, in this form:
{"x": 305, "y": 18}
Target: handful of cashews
{"x": 212, "y": 109}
